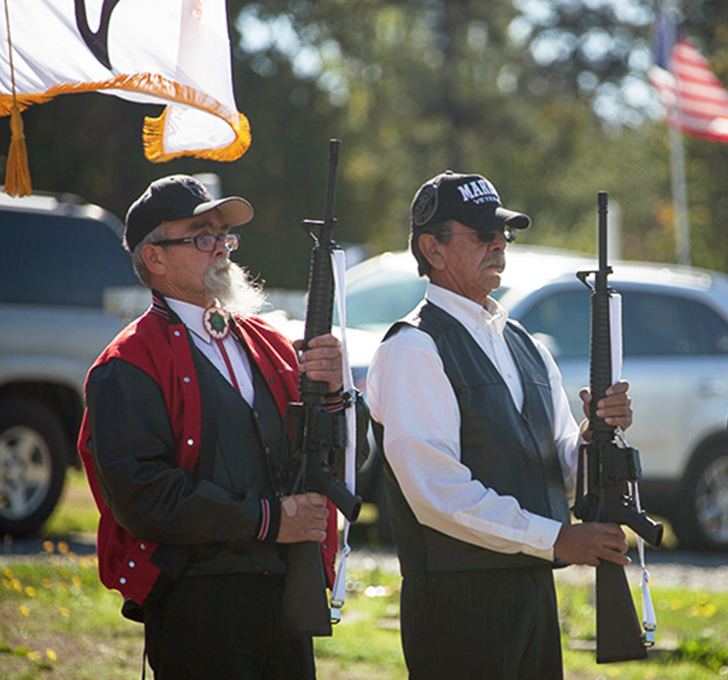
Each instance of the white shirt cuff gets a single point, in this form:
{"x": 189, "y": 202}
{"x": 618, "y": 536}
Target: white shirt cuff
{"x": 545, "y": 531}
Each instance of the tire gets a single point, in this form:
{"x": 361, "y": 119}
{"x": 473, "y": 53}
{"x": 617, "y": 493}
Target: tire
{"x": 702, "y": 522}
{"x": 33, "y": 456}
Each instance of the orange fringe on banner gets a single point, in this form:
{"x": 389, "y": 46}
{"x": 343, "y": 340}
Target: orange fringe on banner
{"x": 17, "y": 174}
{"x": 153, "y": 137}
{"x": 153, "y": 130}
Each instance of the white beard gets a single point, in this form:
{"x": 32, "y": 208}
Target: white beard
{"x": 234, "y": 288}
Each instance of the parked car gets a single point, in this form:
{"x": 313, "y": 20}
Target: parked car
{"x": 675, "y": 358}
{"x": 66, "y": 288}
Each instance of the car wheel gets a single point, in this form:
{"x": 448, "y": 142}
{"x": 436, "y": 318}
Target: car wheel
{"x": 33, "y": 455}
{"x": 703, "y": 518}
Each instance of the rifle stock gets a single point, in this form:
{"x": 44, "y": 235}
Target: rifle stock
{"x": 610, "y": 472}
{"x": 619, "y": 633}
{"x": 313, "y": 439}
{"x": 305, "y": 605}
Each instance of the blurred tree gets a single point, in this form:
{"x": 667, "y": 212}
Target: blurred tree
{"x": 548, "y": 98}
{"x": 431, "y": 85}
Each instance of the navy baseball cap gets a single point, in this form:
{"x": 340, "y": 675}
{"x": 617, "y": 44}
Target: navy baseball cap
{"x": 178, "y": 197}
{"x": 469, "y": 199}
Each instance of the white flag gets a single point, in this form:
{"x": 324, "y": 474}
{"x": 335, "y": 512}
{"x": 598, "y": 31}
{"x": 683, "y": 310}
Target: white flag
{"x": 171, "y": 52}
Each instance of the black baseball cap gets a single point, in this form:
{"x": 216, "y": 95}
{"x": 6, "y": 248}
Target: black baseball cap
{"x": 469, "y": 199}
{"x": 178, "y": 197}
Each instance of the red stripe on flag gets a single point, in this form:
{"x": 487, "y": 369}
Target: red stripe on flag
{"x": 696, "y": 100}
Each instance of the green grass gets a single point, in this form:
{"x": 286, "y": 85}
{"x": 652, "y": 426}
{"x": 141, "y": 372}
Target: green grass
{"x": 691, "y": 642}
{"x": 366, "y": 643}
{"x": 58, "y": 623}
{"x": 76, "y": 513}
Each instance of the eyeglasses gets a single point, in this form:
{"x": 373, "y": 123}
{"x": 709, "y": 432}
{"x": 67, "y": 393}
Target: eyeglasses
{"x": 509, "y": 234}
{"x": 204, "y": 242}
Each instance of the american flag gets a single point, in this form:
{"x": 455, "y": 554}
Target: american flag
{"x": 695, "y": 100}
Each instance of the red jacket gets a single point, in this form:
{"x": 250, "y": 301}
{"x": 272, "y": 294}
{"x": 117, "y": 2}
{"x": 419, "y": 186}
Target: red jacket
{"x": 162, "y": 350}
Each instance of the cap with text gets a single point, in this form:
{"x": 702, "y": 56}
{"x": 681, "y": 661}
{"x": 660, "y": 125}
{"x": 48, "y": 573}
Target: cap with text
{"x": 470, "y": 199}
{"x": 178, "y": 197}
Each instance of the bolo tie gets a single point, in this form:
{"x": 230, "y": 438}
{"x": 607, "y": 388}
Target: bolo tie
{"x": 217, "y": 324}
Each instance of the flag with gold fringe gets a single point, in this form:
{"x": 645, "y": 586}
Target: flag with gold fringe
{"x": 170, "y": 52}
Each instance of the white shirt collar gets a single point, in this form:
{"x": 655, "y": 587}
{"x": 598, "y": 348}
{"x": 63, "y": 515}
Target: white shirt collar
{"x": 191, "y": 316}
{"x": 490, "y": 315}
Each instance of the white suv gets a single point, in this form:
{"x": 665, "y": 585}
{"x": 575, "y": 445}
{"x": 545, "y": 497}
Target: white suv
{"x": 675, "y": 359}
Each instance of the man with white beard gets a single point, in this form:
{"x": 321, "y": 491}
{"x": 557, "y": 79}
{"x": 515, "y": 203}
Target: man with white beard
{"x": 180, "y": 441}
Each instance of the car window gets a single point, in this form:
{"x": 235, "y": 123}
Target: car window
{"x": 712, "y": 329}
{"x": 666, "y": 325}
{"x": 654, "y": 324}
{"x": 376, "y": 301}
{"x": 561, "y": 320}
{"x": 59, "y": 260}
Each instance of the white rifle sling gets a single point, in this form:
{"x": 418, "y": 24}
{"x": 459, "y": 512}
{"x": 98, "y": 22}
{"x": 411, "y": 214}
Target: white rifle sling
{"x": 338, "y": 263}
{"x": 649, "y": 620}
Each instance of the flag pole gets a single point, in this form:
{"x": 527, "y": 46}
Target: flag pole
{"x": 679, "y": 197}
{"x": 677, "y": 167}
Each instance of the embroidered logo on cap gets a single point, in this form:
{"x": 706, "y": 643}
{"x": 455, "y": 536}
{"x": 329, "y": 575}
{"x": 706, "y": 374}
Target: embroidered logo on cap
{"x": 479, "y": 191}
{"x": 425, "y": 205}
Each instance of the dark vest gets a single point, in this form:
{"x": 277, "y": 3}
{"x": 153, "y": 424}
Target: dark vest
{"x": 238, "y": 443}
{"x": 510, "y": 452}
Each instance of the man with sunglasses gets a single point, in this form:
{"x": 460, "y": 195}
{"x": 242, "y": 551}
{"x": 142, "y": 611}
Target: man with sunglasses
{"x": 480, "y": 451}
{"x": 180, "y": 440}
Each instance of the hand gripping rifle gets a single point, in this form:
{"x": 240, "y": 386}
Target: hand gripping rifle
{"x": 315, "y": 438}
{"x": 610, "y": 473}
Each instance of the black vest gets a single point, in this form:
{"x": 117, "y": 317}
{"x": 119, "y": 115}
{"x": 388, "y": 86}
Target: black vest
{"x": 238, "y": 443}
{"x": 510, "y": 452}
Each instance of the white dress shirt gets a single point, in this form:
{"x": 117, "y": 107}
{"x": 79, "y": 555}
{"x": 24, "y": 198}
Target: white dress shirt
{"x": 191, "y": 316}
{"x": 410, "y": 394}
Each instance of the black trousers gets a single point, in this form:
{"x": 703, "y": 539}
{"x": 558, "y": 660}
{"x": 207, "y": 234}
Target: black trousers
{"x": 225, "y": 628}
{"x": 481, "y": 625}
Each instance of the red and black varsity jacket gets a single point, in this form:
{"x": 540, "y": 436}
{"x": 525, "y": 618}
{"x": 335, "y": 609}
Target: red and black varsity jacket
{"x": 161, "y": 349}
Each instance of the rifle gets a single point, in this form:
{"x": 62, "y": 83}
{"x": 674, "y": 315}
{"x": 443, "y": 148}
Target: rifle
{"x": 315, "y": 438}
{"x": 611, "y": 473}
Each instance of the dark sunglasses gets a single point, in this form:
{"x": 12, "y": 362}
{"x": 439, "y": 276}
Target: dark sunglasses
{"x": 509, "y": 234}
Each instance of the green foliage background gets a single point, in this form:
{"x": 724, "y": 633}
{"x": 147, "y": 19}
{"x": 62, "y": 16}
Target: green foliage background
{"x": 548, "y": 98}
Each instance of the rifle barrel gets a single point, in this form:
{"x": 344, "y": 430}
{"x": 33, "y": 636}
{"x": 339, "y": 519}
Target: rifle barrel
{"x": 330, "y": 201}
{"x": 602, "y": 206}
{"x": 320, "y": 306}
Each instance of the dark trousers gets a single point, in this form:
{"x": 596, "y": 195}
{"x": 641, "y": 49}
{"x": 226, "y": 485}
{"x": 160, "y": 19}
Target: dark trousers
{"x": 225, "y": 628}
{"x": 481, "y": 625}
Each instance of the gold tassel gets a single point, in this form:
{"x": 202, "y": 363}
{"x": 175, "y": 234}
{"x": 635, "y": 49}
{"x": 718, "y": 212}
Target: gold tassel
{"x": 17, "y": 173}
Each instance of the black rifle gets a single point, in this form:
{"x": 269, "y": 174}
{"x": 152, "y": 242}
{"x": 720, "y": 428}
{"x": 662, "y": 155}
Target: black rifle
{"x": 315, "y": 439}
{"x": 610, "y": 473}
